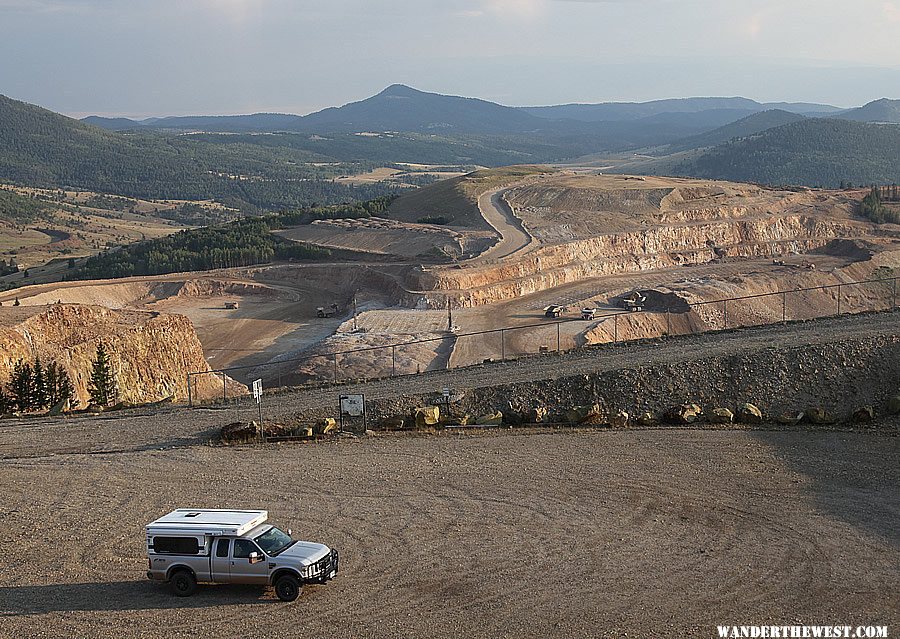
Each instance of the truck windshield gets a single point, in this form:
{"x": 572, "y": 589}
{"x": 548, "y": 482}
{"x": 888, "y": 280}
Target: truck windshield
{"x": 273, "y": 541}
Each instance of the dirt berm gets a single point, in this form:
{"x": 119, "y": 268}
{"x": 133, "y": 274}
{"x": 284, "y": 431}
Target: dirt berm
{"x": 838, "y": 377}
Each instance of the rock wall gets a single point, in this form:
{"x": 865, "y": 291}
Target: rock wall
{"x": 151, "y": 353}
{"x": 649, "y": 249}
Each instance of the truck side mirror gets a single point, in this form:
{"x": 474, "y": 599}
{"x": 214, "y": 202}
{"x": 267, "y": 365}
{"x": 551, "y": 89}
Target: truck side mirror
{"x": 255, "y": 558}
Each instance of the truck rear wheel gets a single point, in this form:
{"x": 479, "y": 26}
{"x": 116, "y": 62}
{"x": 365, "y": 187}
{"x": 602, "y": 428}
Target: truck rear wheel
{"x": 288, "y": 588}
{"x": 183, "y": 583}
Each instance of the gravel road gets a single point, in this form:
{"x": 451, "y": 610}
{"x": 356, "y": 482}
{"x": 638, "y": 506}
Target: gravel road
{"x": 513, "y": 236}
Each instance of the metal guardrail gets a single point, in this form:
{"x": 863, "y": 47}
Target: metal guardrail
{"x": 334, "y": 356}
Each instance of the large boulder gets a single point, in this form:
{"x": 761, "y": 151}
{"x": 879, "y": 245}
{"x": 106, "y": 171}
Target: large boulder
{"x": 790, "y": 418}
{"x": 490, "y": 419}
{"x": 392, "y": 423}
{"x": 427, "y": 416}
{"x": 326, "y": 426}
{"x": 239, "y": 432}
{"x": 646, "y": 419}
{"x": 620, "y": 419}
{"x": 684, "y": 414}
{"x": 863, "y": 415}
{"x": 590, "y": 415}
{"x": 748, "y": 414}
{"x": 721, "y": 416}
{"x": 819, "y": 415}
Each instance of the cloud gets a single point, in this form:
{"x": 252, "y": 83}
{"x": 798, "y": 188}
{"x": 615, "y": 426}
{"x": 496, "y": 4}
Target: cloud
{"x": 891, "y": 11}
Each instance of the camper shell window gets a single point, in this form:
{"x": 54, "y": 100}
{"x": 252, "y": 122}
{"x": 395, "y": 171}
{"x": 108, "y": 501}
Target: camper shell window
{"x": 176, "y": 545}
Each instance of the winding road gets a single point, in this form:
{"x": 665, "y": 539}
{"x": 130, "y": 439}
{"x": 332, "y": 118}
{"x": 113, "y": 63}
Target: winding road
{"x": 497, "y": 213}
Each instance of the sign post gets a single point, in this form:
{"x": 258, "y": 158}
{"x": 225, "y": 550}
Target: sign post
{"x": 257, "y": 395}
{"x": 353, "y": 406}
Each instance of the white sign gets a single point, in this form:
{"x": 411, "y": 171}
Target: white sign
{"x": 353, "y": 405}
{"x": 257, "y": 390}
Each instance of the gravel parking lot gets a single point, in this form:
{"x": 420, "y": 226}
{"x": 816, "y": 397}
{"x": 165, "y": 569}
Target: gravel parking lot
{"x": 651, "y": 533}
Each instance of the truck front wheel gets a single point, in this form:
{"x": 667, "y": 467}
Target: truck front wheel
{"x": 183, "y": 583}
{"x": 288, "y": 588}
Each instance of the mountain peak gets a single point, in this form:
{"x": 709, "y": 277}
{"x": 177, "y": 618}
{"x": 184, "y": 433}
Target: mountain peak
{"x": 399, "y": 91}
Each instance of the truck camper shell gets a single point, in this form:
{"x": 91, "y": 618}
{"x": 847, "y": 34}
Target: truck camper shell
{"x": 207, "y": 522}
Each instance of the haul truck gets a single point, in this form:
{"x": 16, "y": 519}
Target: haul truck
{"x": 189, "y": 546}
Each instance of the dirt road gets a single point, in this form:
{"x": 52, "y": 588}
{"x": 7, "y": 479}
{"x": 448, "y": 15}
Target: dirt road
{"x": 513, "y": 236}
{"x": 585, "y": 534}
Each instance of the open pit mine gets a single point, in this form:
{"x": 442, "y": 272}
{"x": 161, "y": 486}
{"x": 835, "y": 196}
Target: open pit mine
{"x": 429, "y": 285}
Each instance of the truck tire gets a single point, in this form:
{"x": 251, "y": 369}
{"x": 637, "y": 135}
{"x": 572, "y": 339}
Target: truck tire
{"x": 288, "y": 587}
{"x": 183, "y": 583}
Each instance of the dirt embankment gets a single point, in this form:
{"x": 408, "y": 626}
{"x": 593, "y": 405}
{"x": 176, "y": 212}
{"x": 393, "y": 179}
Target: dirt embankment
{"x": 151, "y": 353}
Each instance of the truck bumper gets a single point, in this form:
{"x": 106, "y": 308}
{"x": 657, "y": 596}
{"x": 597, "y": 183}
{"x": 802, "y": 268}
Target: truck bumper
{"x": 329, "y": 568}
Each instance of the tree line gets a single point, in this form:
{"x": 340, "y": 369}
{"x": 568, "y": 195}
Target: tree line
{"x": 244, "y": 242}
{"x": 35, "y": 386}
{"x": 873, "y": 207}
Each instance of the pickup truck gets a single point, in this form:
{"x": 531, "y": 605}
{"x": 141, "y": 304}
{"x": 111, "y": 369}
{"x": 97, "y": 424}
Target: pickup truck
{"x": 189, "y": 546}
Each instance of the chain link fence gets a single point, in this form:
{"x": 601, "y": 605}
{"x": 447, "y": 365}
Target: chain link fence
{"x": 552, "y": 335}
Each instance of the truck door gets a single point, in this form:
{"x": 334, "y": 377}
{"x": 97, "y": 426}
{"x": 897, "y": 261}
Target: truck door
{"x": 242, "y": 570}
{"x": 220, "y": 561}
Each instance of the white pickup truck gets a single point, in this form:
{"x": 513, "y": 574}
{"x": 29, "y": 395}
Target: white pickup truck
{"x": 188, "y": 546}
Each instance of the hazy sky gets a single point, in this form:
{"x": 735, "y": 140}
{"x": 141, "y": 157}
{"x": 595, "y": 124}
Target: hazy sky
{"x": 176, "y": 57}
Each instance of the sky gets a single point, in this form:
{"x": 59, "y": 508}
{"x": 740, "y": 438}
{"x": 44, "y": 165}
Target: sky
{"x": 140, "y": 58}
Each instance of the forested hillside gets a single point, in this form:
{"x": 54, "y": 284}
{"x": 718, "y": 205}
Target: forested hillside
{"x": 816, "y": 152}
{"x": 240, "y": 243}
{"x": 41, "y": 148}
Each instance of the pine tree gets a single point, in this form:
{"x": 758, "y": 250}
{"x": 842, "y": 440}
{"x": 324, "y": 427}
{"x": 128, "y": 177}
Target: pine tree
{"x": 104, "y": 390}
{"x": 40, "y": 397}
{"x": 60, "y": 386}
{"x": 20, "y": 386}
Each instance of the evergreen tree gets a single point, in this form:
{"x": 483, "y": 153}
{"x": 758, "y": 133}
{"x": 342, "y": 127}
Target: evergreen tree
{"x": 104, "y": 390}
{"x": 20, "y": 386}
{"x": 59, "y": 386}
{"x": 40, "y": 397}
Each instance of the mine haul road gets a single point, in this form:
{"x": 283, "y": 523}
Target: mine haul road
{"x": 497, "y": 213}
{"x": 663, "y": 532}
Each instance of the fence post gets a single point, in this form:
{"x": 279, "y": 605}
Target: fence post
{"x": 393, "y": 360}
{"x": 224, "y": 391}
{"x": 190, "y": 395}
{"x": 502, "y": 345}
{"x": 784, "y": 307}
{"x": 559, "y": 343}
{"x": 839, "y": 300}
{"x": 725, "y": 314}
{"x": 616, "y": 327}
{"x": 894, "y": 295}
{"x": 668, "y": 321}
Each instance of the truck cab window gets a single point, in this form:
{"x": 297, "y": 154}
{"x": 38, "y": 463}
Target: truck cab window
{"x": 222, "y": 547}
{"x": 243, "y": 548}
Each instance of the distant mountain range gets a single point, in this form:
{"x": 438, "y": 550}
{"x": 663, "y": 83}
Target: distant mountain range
{"x": 296, "y": 159}
{"x": 401, "y": 108}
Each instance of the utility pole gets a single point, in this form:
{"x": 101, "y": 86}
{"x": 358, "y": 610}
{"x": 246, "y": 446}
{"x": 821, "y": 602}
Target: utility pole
{"x": 449, "y": 315}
